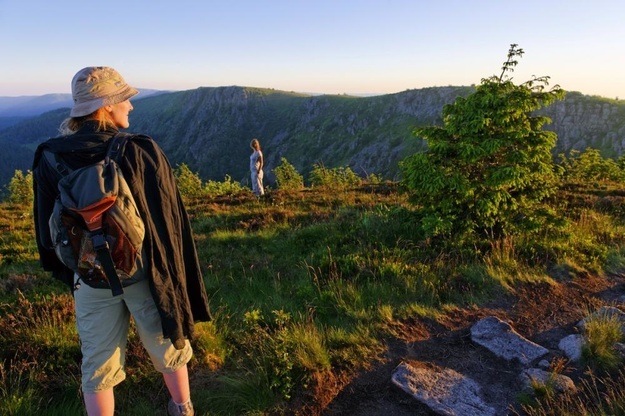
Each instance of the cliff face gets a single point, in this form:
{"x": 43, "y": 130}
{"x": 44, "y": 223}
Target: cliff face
{"x": 582, "y": 121}
{"x": 210, "y": 129}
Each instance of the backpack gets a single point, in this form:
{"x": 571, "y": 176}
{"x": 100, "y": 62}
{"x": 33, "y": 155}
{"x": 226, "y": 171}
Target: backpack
{"x": 95, "y": 225}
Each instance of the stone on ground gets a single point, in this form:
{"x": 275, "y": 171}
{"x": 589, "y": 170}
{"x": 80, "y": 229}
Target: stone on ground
{"x": 502, "y": 340}
{"x": 443, "y": 390}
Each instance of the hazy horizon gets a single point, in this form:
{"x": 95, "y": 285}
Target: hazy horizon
{"x": 296, "y": 92}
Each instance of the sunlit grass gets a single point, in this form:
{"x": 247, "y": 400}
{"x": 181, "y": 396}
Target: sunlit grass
{"x": 17, "y": 390}
{"x": 601, "y": 333}
{"x": 595, "y": 396}
{"x": 302, "y": 285}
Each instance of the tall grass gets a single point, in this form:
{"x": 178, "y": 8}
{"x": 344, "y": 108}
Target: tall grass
{"x": 602, "y": 331}
{"x": 303, "y": 286}
{"x": 595, "y": 396}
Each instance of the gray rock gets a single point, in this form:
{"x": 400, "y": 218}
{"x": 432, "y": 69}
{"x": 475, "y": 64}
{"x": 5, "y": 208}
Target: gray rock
{"x": 503, "y": 341}
{"x": 604, "y": 313}
{"x": 559, "y": 382}
{"x": 443, "y": 390}
{"x": 571, "y": 345}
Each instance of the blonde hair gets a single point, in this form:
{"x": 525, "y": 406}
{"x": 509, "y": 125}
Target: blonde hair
{"x": 254, "y": 144}
{"x": 73, "y": 124}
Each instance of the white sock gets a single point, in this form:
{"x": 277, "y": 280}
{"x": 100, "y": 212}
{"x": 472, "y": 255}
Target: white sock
{"x": 183, "y": 403}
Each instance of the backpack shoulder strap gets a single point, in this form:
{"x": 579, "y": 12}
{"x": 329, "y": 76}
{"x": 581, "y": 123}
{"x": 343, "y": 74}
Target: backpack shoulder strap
{"x": 117, "y": 146}
{"x": 115, "y": 149}
{"x": 57, "y": 163}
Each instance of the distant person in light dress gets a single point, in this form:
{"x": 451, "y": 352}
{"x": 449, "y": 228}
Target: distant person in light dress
{"x": 256, "y": 168}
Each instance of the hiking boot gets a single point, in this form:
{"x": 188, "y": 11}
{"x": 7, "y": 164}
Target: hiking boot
{"x": 185, "y": 409}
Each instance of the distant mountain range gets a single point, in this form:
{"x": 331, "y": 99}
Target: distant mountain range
{"x": 16, "y": 109}
{"x": 209, "y": 129}
{"x": 28, "y": 106}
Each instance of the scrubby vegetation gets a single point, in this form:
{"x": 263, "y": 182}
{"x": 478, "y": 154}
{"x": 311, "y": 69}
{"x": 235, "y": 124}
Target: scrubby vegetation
{"x": 20, "y": 188}
{"x": 303, "y": 285}
{"x": 287, "y": 177}
{"x": 191, "y": 186}
{"x": 306, "y": 283}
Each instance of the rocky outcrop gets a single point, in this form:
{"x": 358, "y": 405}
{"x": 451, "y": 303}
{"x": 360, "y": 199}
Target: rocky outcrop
{"x": 450, "y": 393}
{"x": 582, "y": 121}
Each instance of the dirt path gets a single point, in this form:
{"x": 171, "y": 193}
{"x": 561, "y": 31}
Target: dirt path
{"x": 543, "y": 313}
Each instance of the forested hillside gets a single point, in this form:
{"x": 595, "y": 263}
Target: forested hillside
{"x": 209, "y": 129}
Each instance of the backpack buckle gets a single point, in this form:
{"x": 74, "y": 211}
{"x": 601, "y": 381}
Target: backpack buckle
{"x": 99, "y": 242}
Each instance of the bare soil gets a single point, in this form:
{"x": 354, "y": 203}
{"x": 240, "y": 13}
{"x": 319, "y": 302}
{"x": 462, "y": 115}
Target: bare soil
{"x": 544, "y": 313}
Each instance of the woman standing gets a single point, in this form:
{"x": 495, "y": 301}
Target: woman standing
{"x": 167, "y": 295}
{"x": 256, "y": 168}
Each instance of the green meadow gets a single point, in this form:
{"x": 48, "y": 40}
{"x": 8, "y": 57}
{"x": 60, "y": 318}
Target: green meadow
{"x": 304, "y": 286}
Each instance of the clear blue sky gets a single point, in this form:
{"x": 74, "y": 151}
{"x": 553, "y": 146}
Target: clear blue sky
{"x": 320, "y": 46}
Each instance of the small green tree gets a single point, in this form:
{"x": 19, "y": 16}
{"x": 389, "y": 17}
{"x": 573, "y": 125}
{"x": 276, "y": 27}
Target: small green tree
{"x": 589, "y": 165}
{"x": 490, "y": 165}
{"x": 227, "y": 187}
{"x": 189, "y": 183}
{"x": 21, "y": 188}
{"x": 334, "y": 178}
{"x": 287, "y": 177}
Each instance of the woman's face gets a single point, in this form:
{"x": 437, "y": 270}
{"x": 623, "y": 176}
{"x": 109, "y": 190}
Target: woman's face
{"x": 119, "y": 113}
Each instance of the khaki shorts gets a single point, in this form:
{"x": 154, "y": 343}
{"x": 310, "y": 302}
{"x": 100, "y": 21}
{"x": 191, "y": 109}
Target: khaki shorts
{"x": 103, "y": 321}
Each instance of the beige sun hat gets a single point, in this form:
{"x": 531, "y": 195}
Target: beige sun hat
{"x": 96, "y": 86}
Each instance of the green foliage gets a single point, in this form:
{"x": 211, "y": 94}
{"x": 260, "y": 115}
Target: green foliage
{"x": 304, "y": 290}
{"x": 373, "y": 179}
{"x": 602, "y": 330}
{"x": 227, "y": 187}
{"x": 489, "y": 167}
{"x": 17, "y": 245}
{"x": 594, "y": 396}
{"x": 589, "y": 165}
{"x": 334, "y": 178}
{"x": 33, "y": 332}
{"x": 287, "y": 177}
{"x": 17, "y": 392}
{"x": 189, "y": 183}
{"x": 266, "y": 364}
{"x": 21, "y": 188}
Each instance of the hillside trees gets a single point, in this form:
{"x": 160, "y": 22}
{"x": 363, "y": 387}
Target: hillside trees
{"x": 190, "y": 184}
{"x": 589, "y": 166}
{"x": 488, "y": 168}
{"x": 287, "y": 177}
{"x": 339, "y": 178}
{"x": 20, "y": 188}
